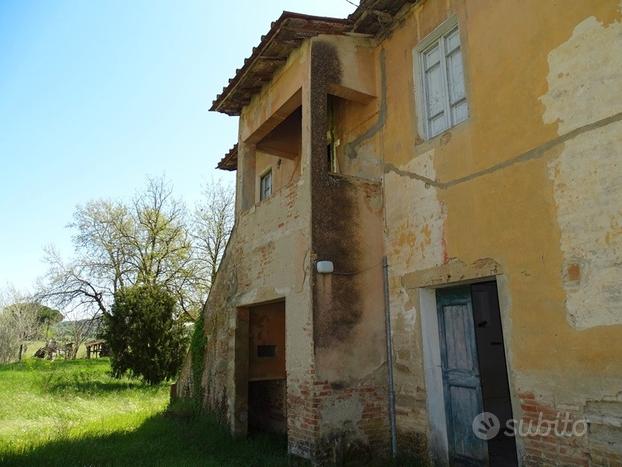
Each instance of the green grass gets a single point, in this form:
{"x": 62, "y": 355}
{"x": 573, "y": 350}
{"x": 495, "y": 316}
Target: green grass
{"x": 73, "y": 413}
{"x": 33, "y": 346}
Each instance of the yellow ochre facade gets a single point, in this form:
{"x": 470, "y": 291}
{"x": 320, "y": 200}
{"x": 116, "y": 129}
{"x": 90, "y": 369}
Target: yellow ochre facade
{"x": 523, "y": 192}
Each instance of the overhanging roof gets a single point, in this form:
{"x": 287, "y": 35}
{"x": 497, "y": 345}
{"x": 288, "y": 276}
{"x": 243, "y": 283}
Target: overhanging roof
{"x": 230, "y": 161}
{"x": 285, "y": 35}
{"x": 375, "y": 16}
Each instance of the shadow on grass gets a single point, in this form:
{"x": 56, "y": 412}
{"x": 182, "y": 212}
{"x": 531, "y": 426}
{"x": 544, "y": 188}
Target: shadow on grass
{"x": 29, "y": 364}
{"x": 165, "y": 439}
{"x": 70, "y": 377}
{"x": 83, "y": 383}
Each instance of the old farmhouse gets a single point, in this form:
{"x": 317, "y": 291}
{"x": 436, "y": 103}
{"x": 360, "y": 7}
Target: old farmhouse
{"x": 463, "y": 160}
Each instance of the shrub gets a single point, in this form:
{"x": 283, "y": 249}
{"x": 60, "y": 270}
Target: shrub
{"x": 197, "y": 355}
{"x": 146, "y": 340}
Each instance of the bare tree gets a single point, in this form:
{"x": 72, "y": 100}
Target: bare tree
{"x": 151, "y": 240}
{"x": 213, "y": 221}
{"x": 71, "y": 285}
{"x": 123, "y": 244}
{"x": 19, "y": 323}
{"x": 80, "y": 290}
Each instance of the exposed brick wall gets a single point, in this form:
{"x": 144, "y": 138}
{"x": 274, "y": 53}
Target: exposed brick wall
{"x": 361, "y": 435}
{"x": 267, "y": 410}
{"x": 602, "y": 458}
{"x": 310, "y": 431}
{"x": 560, "y": 447}
{"x": 302, "y": 416}
{"x": 348, "y": 398}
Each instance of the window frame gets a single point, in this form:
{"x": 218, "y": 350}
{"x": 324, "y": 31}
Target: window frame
{"x": 421, "y": 100}
{"x": 262, "y": 177}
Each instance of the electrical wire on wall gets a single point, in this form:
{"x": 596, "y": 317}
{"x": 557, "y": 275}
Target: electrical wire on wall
{"x": 389, "y": 339}
{"x": 354, "y": 273}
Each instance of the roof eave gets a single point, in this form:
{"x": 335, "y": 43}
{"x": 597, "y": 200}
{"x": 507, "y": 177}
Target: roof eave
{"x": 316, "y": 25}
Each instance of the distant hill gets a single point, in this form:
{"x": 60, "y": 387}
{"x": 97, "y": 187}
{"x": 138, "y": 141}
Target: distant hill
{"x": 64, "y": 329}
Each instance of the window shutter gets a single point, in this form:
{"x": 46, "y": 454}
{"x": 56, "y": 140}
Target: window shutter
{"x": 435, "y": 93}
{"x": 444, "y": 102}
{"x": 455, "y": 78}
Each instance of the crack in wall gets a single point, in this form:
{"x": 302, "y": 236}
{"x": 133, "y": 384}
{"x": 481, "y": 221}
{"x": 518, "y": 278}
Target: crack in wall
{"x": 304, "y": 270}
{"x": 532, "y": 154}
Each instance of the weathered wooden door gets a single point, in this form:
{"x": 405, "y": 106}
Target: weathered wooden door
{"x": 461, "y": 380}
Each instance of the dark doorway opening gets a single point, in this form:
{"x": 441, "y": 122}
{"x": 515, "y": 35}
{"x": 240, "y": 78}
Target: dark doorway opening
{"x": 475, "y": 378}
{"x": 267, "y": 406}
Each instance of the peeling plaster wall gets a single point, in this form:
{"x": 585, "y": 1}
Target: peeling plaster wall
{"x": 415, "y": 218}
{"x": 267, "y": 258}
{"x": 346, "y": 228}
{"x": 527, "y": 190}
{"x": 284, "y": 171}
{"x": 415, "y": 222}
{"x": 584, "y": 73}
{"x": 271, "y": 255}
{"x": 585, "y": 78}
{"x": 255, "y": 271}
{"x": 587, "y": 177}
{"x": 272, "y": 261}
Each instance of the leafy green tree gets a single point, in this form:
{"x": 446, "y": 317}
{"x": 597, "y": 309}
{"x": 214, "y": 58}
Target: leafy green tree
{"x": 145, "y": 336}
{"x": 47, "y": 317}
{"x": 18, "y": 323}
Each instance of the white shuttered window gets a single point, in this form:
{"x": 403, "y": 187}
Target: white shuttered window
{"x": 442, "y": 81}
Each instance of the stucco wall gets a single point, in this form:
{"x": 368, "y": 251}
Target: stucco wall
{"x": 531, "y": 181}
{"x": 254, "y": 271}
{"x": 528, "y": 190}
{"x": 284, "y": 171}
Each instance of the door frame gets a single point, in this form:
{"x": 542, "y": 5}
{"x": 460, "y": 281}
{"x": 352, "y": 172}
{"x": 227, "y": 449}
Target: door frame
{"x": 238, "y": 417}
{"x": 438, "y": 442}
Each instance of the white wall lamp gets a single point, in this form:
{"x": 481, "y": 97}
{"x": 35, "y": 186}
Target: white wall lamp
{"x": 325, "y": 267}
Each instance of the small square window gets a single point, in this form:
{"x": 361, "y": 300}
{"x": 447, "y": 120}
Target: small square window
{"x": 442, "y": 101}
{"x": 266, "y": 351}
{"x": 265, "y": 186}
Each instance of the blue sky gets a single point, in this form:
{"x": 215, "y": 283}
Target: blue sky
{"x": 97, "y": 95}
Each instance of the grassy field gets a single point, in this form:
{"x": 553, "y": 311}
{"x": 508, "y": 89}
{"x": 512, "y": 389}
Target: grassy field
{"x": 73, "y": 413}
{"x": 33, "y": 346}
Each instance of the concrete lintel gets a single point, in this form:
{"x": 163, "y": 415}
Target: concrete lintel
{"x": 454, "y": 272}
